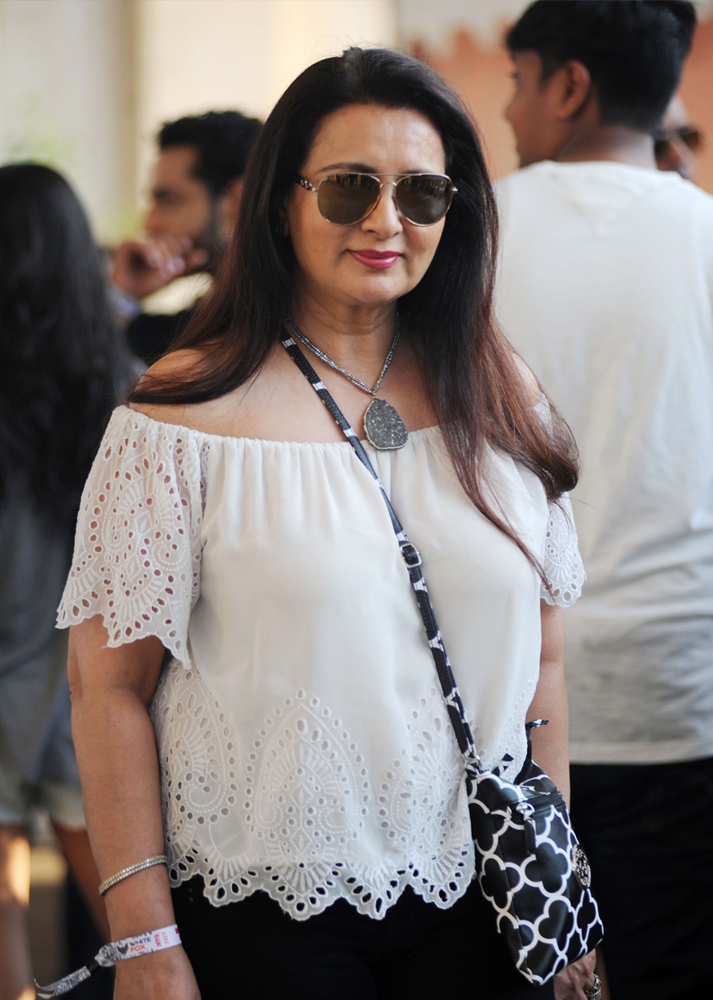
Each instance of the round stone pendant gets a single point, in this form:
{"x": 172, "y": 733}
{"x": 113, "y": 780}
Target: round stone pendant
{"x": 384, "y": 428}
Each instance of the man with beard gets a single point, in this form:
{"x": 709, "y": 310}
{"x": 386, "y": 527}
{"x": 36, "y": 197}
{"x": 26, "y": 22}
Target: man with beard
{"x": 195, "y": 197}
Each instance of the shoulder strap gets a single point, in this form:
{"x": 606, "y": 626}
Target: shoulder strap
{"x": 411, "y": 558}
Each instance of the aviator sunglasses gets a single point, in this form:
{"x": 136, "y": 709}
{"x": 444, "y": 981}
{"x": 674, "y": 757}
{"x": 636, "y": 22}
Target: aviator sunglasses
{"x": 345, "y": 199}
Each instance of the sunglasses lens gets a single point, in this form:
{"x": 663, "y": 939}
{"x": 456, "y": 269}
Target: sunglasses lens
{"x": 347, "y": 198}
{"x": 424, "y": 198}
{"x": 692, "y": 138}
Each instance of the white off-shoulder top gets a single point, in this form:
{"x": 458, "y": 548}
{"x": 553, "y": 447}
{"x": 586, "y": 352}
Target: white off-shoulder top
{"x": 304, "y": 746}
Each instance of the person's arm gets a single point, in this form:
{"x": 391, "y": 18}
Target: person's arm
{"x": 116, "y": 753}
{"x": 550, "y": 743}
{"x": 141, "y": 267}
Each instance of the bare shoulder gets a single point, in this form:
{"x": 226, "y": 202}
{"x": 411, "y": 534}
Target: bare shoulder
{"x": 265, "y": 407}
{"x": 182, "y": 366}
{"x": 529, "y": 382}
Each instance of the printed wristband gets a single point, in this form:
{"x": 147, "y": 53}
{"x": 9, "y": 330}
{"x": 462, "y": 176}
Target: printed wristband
{"x": 109, "y": 954}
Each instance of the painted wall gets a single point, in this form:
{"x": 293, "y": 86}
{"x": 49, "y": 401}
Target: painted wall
{"x": 463, "y": 44}
{"x": 66, "y": 98}
{"x": 194, "y": 55}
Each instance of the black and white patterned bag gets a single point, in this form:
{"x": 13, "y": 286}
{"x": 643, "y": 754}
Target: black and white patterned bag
{"x": 529, "y": 864}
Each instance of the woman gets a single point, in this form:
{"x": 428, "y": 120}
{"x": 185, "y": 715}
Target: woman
{"x": 307, "y": 766}
{"x": 62, "y": 371}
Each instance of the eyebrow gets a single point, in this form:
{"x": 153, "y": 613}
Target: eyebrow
{"x": 365, "y": 168}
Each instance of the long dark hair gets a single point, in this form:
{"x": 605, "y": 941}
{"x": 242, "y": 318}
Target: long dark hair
{"x": 475, "y": 388}
{"x": 61, "y": 367}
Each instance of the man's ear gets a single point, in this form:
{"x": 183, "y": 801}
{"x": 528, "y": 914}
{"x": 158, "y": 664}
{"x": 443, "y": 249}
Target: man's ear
{"x": 574, "y": 90}
{"x": 230, "y": 204}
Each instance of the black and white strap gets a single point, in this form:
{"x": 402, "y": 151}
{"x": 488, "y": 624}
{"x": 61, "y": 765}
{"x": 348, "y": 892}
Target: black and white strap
{"x": 412, "y": 559}
{"x": 110, "y": 954}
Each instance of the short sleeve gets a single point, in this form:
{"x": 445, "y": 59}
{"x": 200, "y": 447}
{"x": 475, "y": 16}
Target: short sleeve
{"x": 562, "y": 563}
{"x": 137, "y": 549}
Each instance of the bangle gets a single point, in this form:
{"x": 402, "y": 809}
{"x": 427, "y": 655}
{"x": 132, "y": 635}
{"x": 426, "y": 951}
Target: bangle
{"x": 160, "y": 859}
{"x": 115, "y": 951}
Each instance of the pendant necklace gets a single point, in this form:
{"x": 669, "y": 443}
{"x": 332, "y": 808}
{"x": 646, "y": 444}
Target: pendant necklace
{"x": 384, "y": 428}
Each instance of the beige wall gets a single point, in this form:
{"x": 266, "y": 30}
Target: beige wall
{"x": 194, "y": 55}
{"x": 66, "y": 98}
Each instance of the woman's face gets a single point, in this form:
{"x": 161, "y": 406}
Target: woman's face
{"x": 337, "y": 264}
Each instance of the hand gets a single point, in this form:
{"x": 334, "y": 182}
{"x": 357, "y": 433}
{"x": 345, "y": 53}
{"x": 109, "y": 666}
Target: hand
{"x": 571, "y": 982}
{"x": 141, "y": 267}
{"x": 165, "y": 975}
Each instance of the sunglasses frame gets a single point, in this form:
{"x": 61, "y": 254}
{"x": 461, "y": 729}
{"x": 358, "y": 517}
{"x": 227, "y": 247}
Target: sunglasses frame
{"x": 690, "y": 136}
{"x": 382, "y": 184}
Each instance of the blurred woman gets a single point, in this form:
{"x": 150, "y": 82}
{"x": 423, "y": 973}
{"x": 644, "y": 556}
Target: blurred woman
{"x": 61, "y": 371}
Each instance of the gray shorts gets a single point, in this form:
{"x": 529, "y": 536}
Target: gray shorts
{"x": 18, "y": 797}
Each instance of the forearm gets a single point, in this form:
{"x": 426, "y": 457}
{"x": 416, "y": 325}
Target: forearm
{"x": 550, "y": 743}
{"x": 116, "y": 754}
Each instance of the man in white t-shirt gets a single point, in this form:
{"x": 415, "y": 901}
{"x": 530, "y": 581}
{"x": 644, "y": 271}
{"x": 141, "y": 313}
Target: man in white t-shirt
{"x": 606, "y": 290}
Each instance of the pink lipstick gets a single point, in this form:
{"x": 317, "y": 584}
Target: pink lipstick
{"x": 379, "y": 260}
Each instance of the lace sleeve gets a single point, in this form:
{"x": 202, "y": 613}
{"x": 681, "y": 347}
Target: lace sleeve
{"x": 137, "y": 549}
{"x": 562, "y": 562}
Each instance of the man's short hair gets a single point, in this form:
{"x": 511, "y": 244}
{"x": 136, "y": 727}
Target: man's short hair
{"x": 634, "y": 50}
{"x": 223, "y": 140}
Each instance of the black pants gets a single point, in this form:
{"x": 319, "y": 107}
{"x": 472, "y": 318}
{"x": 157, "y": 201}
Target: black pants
{"x": 648, "y": 832}
{"x": 252, "y": 949}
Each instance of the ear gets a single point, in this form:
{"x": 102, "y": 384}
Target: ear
{"x": 574, "y": 90}
{"x": 230, "y": 203}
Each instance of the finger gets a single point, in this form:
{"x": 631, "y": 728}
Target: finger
{"x": 196, "y": 259}
{"x": 168, "y": 261}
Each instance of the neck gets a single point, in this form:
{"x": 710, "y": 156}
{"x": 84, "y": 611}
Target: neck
{"x": 616, "y": 143}
{"x": 357, "y": 338}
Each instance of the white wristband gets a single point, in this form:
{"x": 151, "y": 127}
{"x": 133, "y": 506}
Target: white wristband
{"x": 109, "y": 954}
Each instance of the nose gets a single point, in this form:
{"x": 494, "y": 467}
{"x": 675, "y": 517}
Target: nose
{"x": 385, "y": 220}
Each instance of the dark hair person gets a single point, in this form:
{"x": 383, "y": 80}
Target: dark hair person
{"x": 222, "y": 140}
{"x": 195, "y": 191}
{"x": 297, "y": 738}
{"x": 634, "y": 52}
{"x": 62, "y": 372}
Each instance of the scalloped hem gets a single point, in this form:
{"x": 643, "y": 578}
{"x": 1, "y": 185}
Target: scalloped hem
{"x": 341, "y": 882}
{"x": 176, "y": 645}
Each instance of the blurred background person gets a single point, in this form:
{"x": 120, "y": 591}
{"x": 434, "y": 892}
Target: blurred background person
{"x": 195, "y": 196}
{"x": 62, "y": 371}
{"x": 606, "y": 289}
{"x": 677, "y": 141}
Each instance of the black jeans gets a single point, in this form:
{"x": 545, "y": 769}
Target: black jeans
{"x": 648, "y": 833}
{"x": 252, "y": 949}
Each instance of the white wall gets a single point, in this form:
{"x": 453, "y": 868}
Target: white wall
{"x": 196, "y": 55}
{"x": 66, "y": 98}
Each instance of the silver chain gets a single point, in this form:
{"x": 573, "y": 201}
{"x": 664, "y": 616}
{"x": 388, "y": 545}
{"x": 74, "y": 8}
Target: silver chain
{"x": 328, "y": 361}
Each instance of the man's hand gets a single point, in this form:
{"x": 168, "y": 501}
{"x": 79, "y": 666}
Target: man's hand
{"x": 571, "y": 982}
{"x": 141, "y": 267}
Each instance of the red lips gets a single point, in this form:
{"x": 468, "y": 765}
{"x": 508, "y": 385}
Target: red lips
{"x": 379, "y": 260}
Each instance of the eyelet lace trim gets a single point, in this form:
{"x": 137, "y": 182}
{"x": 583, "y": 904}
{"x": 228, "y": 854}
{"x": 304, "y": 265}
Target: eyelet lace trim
{"x": 294, "y": 819}
{"x": 562, "y": 562}
{"x": 137, "y": 550}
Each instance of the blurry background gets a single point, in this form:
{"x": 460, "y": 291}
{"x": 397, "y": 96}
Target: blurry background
{"x": 84, "y": 85}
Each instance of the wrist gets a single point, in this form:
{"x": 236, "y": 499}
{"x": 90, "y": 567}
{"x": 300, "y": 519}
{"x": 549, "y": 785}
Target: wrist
{"x": 140, "y": 903}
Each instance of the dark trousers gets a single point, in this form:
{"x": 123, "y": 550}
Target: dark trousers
{"x": 252, "y": 949}
{"x": 648, "y": 832}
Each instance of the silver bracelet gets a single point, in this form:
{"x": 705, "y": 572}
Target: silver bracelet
{"x": 160, "y": 859}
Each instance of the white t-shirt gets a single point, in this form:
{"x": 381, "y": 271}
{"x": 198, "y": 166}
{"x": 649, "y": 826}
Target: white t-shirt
{"x": 304, "y": 743}
{"x": 606, "y": 290}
